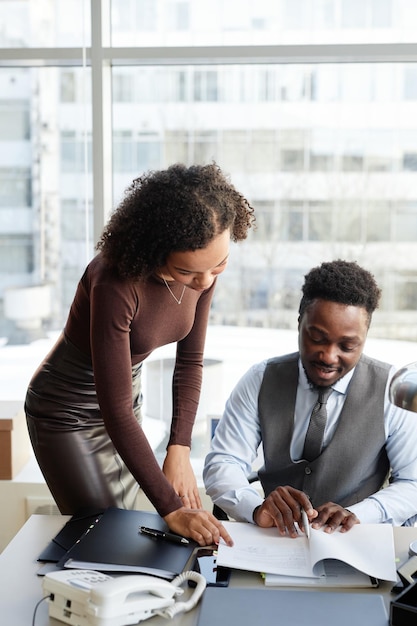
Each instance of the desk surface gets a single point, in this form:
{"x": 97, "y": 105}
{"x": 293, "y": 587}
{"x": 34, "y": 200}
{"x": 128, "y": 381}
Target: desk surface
{"x": 20, "y": 587}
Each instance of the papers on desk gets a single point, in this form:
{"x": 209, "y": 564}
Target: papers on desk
{"x": 369, "y": 548}
{"x": 334, "y": 574}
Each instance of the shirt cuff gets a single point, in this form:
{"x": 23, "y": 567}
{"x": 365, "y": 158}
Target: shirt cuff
{"x": 368, "y": 512}
{"x": 243, "y": 509}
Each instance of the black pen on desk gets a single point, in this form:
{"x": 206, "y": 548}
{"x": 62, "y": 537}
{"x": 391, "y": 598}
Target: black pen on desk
{"x": 306, "y": 523}
{"x": 160, "y": 534}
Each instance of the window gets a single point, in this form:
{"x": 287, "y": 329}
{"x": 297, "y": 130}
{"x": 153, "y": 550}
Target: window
{"x": 378, "y": 220}
{"x": 73, "y": 220}
{"x": 124, "y": 160}
{"x": 322, "y": 150}
{"x": 267, "y": 217}
{"x": 292, "y": 159}
{"x": 348, "y": 221}
{"x": 410, "y": 83}
{"x": 122, "y": 87}
{"x": 16, "y": 255}
{"x": 14, "y": 120}
{"x": 321, "y": 139}
{"x": 320, "y": 222}
{"x": 294, "y": 221}
{"x": 15, "y": 187}
{"x": 205, "y": 86}
{"x": 410, "y": 161}
{"x": 68, "y": 87}
{"x": 406, "y": 292}
{"x": 148, "y": 152}
{"x": 75, "y": 156}
{"x": 406, "y": 222}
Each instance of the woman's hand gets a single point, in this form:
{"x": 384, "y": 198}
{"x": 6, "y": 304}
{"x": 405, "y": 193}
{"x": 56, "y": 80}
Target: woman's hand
{"x": 177, "y": 468}
{"x": 198, "y": 525}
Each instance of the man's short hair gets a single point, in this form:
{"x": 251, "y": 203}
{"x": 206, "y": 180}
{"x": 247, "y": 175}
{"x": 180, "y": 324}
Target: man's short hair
{"x": 340, "y": 281}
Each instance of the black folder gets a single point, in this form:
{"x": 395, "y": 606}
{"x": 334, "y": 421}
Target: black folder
{"x": 69, "y": 534}
{"x": 114, "y": 543}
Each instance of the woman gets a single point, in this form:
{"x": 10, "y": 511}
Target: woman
{"x": 151, "y": 284}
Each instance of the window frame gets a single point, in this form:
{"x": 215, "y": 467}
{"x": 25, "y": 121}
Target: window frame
{"x": 101, "y": 57}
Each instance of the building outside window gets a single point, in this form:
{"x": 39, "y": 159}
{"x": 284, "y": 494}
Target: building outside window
{"x": 319, "y": 134}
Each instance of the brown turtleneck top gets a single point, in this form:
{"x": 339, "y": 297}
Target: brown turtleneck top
{"x": 118, "y": 324}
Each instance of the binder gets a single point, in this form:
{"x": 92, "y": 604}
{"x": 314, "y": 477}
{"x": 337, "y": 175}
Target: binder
{"x": 114, "y": 543}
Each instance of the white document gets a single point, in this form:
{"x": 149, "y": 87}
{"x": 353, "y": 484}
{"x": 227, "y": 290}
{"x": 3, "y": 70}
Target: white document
{"x": 368, "y": 548}
{"x": 335, "y": 574}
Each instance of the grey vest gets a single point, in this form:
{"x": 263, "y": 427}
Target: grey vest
{"x": 354, "y": 464}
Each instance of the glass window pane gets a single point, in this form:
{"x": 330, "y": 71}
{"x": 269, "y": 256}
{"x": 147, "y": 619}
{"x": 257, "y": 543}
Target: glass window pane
{"x": 378, "y": 215}
{"x": 15, "y": 187}
{"x": 406, "y": 292}
{"x": 320, "y": 221}
{"x": 348, "y": 222}
{"x": 406, "y": 222}
{"x": 149, "y": 149}
{"x": 325, "y": 152}
{"x": 354, "y": 13}
{"x": 265, "y": 22}
{"x": 27, "y": 24}
{"x": 16, "y": 255}
{"x": 45, "y": 152}
{"x": 410, "y": 82}
{"x": 14, "y": 120}
{"x": 294, "y": 217}
{"x": 332, "y": 172}
{"x": 322, "y": 150}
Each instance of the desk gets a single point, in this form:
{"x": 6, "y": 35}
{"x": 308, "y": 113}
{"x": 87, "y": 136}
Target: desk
{"x": 20, "y": 587}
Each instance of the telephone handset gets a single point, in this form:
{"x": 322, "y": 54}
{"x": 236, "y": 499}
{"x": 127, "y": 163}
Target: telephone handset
{"x": 90, "y": 598}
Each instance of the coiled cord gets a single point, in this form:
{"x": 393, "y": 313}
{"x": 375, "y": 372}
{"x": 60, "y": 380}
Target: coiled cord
{"x": 183, "y": 607}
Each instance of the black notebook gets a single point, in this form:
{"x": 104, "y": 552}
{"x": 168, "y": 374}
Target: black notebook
{"x": 114, "y": 543}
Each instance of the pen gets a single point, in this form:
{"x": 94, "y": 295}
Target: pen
{"x": 306, "y": 523}
{"x": 160, "y": 534}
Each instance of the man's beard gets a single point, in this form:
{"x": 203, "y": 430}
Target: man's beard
{"x": 313, "y": 385}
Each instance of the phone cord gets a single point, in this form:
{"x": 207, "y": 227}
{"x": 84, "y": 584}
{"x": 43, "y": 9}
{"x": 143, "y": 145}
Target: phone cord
{"x": 183, "y": 607}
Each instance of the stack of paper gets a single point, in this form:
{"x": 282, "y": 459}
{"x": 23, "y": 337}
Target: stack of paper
{"x": 367, "y": 548}
{"x": 334, "y": 574}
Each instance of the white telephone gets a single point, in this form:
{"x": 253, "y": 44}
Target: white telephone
{"x": 90, "y": 598}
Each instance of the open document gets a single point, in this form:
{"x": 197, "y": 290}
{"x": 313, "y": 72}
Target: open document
{"x": 369, "y": 548}
{"x": 333, "y": 573}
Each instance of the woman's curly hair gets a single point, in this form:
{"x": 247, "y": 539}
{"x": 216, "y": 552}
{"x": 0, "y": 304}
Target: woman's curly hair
{"x": 173, "y": 210}
{"x": 341, "y": 281}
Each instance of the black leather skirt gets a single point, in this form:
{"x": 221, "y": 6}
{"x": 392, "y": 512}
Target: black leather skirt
{"x": 75, "y": 454}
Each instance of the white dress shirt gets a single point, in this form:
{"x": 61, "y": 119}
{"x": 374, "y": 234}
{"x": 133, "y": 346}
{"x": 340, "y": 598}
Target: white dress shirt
{"x": 237, "y": 438}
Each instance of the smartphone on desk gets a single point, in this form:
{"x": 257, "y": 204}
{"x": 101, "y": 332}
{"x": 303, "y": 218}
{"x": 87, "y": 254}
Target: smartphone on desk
{"x": 205, "y": 563}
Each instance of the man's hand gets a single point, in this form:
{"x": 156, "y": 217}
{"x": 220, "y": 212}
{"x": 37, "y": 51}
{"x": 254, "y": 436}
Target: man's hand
{"x": 282, "y": 508}
{"x": 331, "y": 516}
{"x": 177, "y": 468}
{"x": 199, "y": 525}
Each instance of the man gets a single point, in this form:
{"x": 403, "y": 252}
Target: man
{"x": 366, "y": 438}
